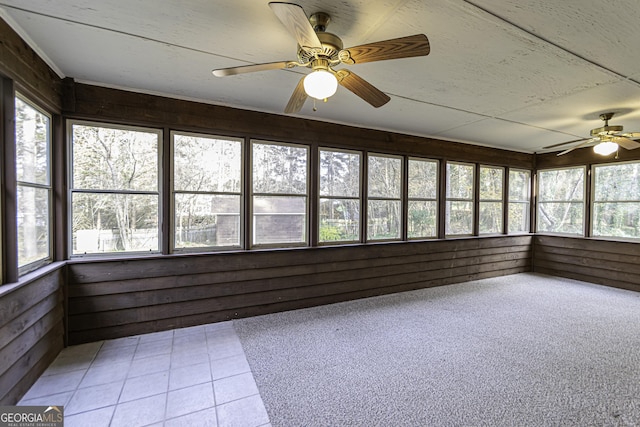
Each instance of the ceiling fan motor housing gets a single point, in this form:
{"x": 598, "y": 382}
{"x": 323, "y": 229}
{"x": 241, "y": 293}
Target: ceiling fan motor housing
{"x": 606, "y": 129}
{"x": 331, "y": 46}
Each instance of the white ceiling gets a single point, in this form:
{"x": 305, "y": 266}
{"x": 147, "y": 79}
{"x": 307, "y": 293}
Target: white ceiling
{"x": 515, "y": 74}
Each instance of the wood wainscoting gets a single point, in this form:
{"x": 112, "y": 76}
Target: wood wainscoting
{"x": 117, "y": 298}
{"x": 31, "y": 331}
{"x": 609, "y": 263}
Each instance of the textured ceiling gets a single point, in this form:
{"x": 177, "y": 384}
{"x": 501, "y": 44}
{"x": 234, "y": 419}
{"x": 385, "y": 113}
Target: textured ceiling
{"x": 515, "y": 74}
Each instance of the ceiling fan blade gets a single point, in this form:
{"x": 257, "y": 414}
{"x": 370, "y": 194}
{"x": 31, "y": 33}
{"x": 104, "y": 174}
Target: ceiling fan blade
{"x": 587, "y": 142}
{"x": 297, "y": 99}
{"x": 297, "y": 23}
{"x": 231, "y": 71}
{"x": 631, "y": 134}
{"x": 362, "y": 88}
{"x": 563, "y": 143}
{"x": 403, "y": 47}
{"x": 626, "y": 143}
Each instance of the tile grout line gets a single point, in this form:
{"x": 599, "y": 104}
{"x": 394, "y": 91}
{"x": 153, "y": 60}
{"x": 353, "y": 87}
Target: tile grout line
{"x": 166, "y": 395}
{"x": 214, "y": 344}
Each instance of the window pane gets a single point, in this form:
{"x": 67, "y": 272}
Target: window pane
{"x": 490, "y": 217}
{"x": 460, "y": 181}
{"x": 560, "y": 201}
{"x": 423, "y": 215}
{"x": 491, "y": 190}
{"x": 33, "y": 192}
{"x": 519, "y": 201}
{"x": 384, "y": 219}
{"x": 206, "y": 220}
{"x": 384, "y": 177}
{"x": 491, "y": 183}
{"x": 561, "y": 185}
{"x": 339, "y": 174}
{"x": 616, "y": 206}
{"x": 206, "y": 164}
{"x": 519, "y": 182}
{"x": 616, "y": 219}
{"x": 423, "y": 179}
{"x": 459, "y": 218}
{"x": 279, "y": 169}
{"x": 114, "y": 159}
{"x": 279, "y": 219}
{"x": 114, "y": 223}
{"x": 32, "y": 144}
{"x": 459, "y": 213}
{"x": 617, "y": 182}
{"x": 33, "y": 224}
{"x": 518, "y": 217}
{"x": 561, "y": 217}
{"x": 339, "y": 220}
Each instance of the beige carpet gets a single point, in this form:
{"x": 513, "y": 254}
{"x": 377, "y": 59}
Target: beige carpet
{"x": 520, "y": 350}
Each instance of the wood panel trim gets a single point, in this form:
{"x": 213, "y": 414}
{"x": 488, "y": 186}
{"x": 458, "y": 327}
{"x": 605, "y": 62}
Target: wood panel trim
{"x": 610, "y": 263}
{"x": 210, "y": 317}
{"x": 204, "y": 288}
{"x": 91, "y": 102}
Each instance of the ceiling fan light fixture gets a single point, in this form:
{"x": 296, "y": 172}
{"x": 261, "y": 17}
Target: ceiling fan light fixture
{"x": 606, "y": 148}
{"x": 320, "y": 84}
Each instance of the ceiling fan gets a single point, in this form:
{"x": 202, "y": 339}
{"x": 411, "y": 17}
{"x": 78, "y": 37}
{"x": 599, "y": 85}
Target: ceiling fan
{"x": 606, "y": 139}
{"x": 322, "y": 51}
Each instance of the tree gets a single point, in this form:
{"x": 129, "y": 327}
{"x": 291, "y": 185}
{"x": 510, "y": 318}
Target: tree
{"x": 33, "y": 189}
{"x": 115, "y": 186}
{"x": 339, "y": 195}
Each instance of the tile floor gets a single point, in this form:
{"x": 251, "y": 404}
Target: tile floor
{"x": 196, "y": 376}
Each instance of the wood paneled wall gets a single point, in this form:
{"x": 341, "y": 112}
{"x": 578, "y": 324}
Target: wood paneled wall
{"x": 32, "y": 75}
{"x": 117, "y": 298}
{"x": 583, "y": 156}
{"x": 31, "y": 310}
{"x": 607, "y": 263}
{"x": 93, "y": 103}
{"x": 31, "y": 331}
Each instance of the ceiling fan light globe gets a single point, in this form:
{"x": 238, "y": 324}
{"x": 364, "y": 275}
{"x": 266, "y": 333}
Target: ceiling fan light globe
{"x": 605, "y": 148}
{"x": 320, "y": 84}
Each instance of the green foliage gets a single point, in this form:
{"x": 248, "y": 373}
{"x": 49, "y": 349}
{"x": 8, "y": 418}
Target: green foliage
{"x": 330, "y": 234}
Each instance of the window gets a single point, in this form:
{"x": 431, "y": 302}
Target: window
{"x": 491, "y": 200}
{"x": 34, "y": 191}
{"x": 207, "y": 191}
{"x": 459, "y": 203}
{"x": 519, "y": 201}
{"x": 384, "y": 203}
{"x": 423, "y": 199}
{"x": 279, "y": 193}
{"x": 616, "y": 200}
{"x": 561, "y": 201}
{"x": 115, "y": 199}
{"x": 339, "y": 207}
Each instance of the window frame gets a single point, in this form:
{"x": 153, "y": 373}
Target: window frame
{"x": 71, "y": 190}
{"x": 435, "y": 199}
{"x": 471, "y": 201}
{"x": 583, "y": 201}
{"x": 400, "y": 199}
{"x": 593, "y": 202}
{"x": 38, "y": 263}
{"x": 526, "y": 202}
{"x": 359, "y": 198}
{"x": 501, "y": 200}
{"x": 252, "y": 194}
{"x": 173, "y": 192}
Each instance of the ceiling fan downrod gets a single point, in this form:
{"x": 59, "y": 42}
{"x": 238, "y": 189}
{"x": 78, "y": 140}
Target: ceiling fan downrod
{"x": 606, "y": 129}
{"x": 319, "y": 21}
